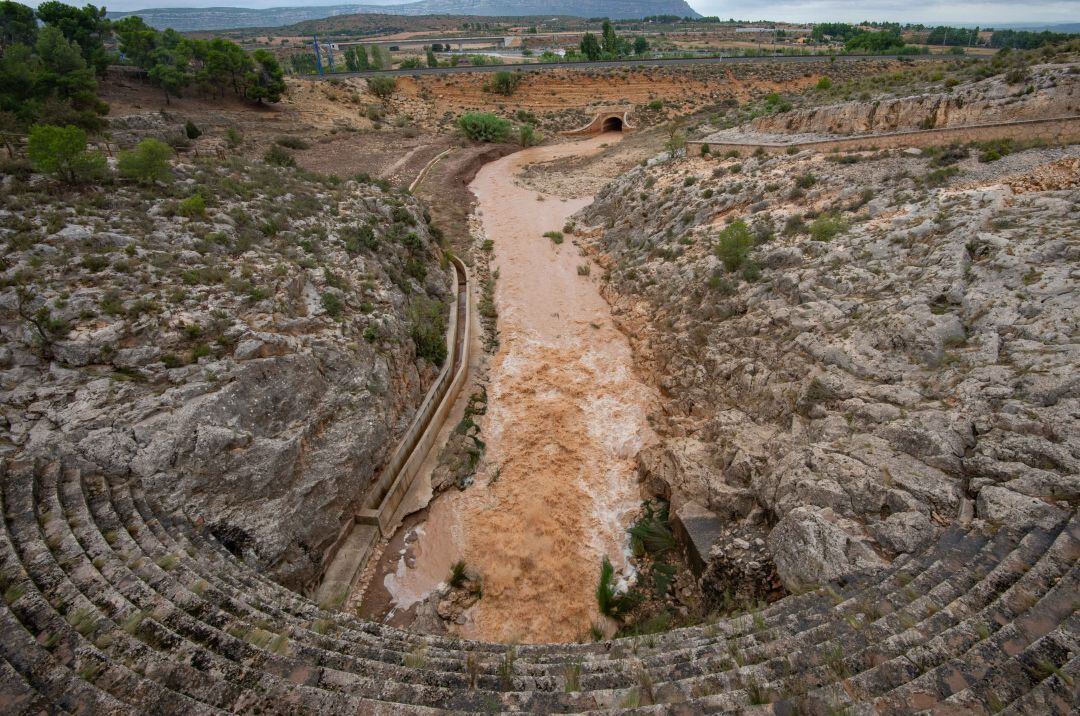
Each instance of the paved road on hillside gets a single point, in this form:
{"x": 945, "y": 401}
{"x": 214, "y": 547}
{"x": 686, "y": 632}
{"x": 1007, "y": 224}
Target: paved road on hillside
{"x": 541, "y": 66}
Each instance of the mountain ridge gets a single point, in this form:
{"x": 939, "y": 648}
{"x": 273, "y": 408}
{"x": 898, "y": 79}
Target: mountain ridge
{"x": 228, "y": 18}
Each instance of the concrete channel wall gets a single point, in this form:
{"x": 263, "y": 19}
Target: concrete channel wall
{"x": 1054, "y": 130}
{"x": 432, "y": 414}
{"x": 385, "y": 504}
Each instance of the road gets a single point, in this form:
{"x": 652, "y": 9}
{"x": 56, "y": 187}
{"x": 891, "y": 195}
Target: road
{"x": 541, "y": 66}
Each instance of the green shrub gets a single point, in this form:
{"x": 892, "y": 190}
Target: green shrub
{"x": 292, "y": 142}
{"x": 939, "y": 177}
{"x": 191, "y": 130}
{"x": 382, "y": 87}
{"x": 504, "y": 83}
{"x": 652, "y": 532}
{"x": 457, "y": 574}
{"x": 734, "y": 244}
{"x": 484, "y": 127}
{"x": 279, "y": 157}
{"x": 61, "y": 151}
{"x": 94, "y": 262}
{"x": 332, "y": 304}
{"x": 805, "y": 181}
{"x": 606, "y": 598}
{"x": 824, "y": 83}
{"x": 995, "y": 149}
{"x": 827, "y": 226}
{"x": 528, "y": 136}
{"x": 358, "y": 237}
{"x": 194, "y": 205}
{"x": 428, "y": 329}
{"x": 147, "y": 163}
{"x": 555, "y": 236}
{"x": 751, "y": 271}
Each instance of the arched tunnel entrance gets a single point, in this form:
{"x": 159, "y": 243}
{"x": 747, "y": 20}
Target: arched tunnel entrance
{"x": 612, "y": 124}
{"x": 606, "y": 119}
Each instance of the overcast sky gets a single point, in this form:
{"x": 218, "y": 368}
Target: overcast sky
{"x": 983, "y": 13}
{"x": 927, "y": 11}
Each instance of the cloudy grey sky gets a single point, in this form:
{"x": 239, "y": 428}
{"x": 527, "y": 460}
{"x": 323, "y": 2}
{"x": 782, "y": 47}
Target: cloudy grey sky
{"x": 983, "y": 13}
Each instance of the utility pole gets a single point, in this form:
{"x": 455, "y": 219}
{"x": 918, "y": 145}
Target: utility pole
{"x": 318, "y": 54}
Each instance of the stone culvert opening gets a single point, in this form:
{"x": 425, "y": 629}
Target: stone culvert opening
{"x": 612, "y": 124}
{"x": 605, "y": 119}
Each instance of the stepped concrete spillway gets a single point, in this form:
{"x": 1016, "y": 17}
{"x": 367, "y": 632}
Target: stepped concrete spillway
{"x": 113, "y": 606}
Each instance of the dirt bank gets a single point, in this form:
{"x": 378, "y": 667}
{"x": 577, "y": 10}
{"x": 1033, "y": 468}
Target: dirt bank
{"x": 565, "y": 420}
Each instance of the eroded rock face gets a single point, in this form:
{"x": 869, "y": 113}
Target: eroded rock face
{"x": 868, "y": 378}
{"x": 811, "y": 546}
{"x": 249, "y": 363}
{"x": 995, "y": 99}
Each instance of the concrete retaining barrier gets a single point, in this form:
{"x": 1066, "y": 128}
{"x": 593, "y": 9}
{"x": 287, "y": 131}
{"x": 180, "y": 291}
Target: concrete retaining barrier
{"x": 385, "y": 504}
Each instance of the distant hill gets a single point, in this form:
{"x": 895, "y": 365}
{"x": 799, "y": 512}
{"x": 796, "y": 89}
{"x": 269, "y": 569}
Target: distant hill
{"x": 187, "y": 19}
{"x": 1064, "y": 27}
{"x": 224, "y": 18}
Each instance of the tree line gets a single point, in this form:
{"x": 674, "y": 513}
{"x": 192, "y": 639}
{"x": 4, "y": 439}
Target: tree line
{"x": 940, "y": 35}
{"x": 51, "y": 59}
{"x": 610, "y": 46}
{"x": 176, "y": 63}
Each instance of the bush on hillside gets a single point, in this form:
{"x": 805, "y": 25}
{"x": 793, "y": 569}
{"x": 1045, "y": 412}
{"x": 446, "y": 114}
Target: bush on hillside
{"x": 382, "y": 87}
{"x": 147, "y": 163}
{"x": 278, "y": 156}
{"x": 826, "y": 226}
{"x": 484, "y": 127}
{"x": 61, "y": 151}
{"x": 504, "y": 83}
{"x": 528, "y": 136}
{"x": 428, "y": 329}
{"x": 734, "y": 244}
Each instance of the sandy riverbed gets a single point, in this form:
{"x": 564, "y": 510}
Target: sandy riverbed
{"x": 566, "y": 417}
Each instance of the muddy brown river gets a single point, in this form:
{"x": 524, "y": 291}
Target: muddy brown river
{"x": 566, "y": 416}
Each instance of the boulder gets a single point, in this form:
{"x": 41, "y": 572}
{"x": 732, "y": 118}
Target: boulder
{"x": 812, "y": 546}
{"x": 1002, "y": 506}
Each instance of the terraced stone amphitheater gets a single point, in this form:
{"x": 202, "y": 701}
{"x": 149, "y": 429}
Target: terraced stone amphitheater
{"x": 843, "y": 388}
{"x": 112, "y": 605}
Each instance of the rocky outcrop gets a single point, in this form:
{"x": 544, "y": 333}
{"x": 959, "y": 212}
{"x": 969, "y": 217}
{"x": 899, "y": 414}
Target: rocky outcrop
{"x": 1043, "y": 92}
{"x": 238, "y": 341}
{"x": 896, "y": 353}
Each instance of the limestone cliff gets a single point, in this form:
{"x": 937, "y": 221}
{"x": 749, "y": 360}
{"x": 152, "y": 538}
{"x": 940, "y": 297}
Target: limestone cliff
{"x": 237, "y": 339}
{"x": 855, "y": 351}
{"x": 1044, "y": 91}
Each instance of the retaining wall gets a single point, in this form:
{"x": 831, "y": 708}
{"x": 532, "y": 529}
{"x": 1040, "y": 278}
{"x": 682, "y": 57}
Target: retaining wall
{"x": 1065, "y": 130}
{"x": 385, "y": 502}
